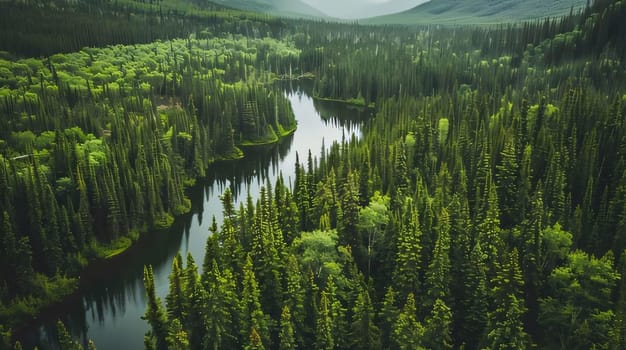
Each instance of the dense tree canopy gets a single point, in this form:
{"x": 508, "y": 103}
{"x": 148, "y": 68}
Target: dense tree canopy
{"x": 483, "y": 207}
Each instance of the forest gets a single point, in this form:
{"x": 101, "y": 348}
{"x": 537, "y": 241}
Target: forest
{"x": 484, "y": 206}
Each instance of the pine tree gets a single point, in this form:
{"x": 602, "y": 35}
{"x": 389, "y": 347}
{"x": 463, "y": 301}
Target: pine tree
{"x": 507, "y": 178}
{"x": 220, "y": 310}
{"x": 388, "y": 315}
{"x": 176, "y": 336}
{"x": 286, "y": 337}
{"x": 347, "y": 224}
{"x": 401, "y": 181}
{"x": 438, "y": 274}
{"x": 438, "y": 329}
{"x": 295, "y": 296}
{"x": 337, "y": 312}
{"x": 475, "y": 304}
{"x": 365, "y": 333}
{"x": 323, "y": 326}
{"x": 149, "y": 343}
{"x": 176, "y": 298}
{"x": 155, "y": 316}
{"x": 253, "y": 317}
{"x": 254, "y": 341}
{"x": 407, "y": 261}
{"x": 407, "y": 332}
{"x": 194, "y": 293}
{"x": 488, "y": 228}
{"x": 65, "y": 339}
{"x": 311, "y": 308}
{"x": 505, "y": 328}
{"x": 524, "y": 186}
{"x": 619, "y": 337}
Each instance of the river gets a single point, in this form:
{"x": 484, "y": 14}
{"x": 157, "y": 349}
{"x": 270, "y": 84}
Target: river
{"x": 111, "y": 298}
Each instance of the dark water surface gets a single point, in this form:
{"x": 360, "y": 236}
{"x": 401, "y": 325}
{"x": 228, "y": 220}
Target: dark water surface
{"x": 111, "y": 298}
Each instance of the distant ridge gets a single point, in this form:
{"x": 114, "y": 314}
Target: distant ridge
{"x": 479, "y": 11}
{"x": 291, "y": 8}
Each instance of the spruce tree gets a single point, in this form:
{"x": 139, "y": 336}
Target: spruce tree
{"x": 407, "y": 261}
{"x": 253, "y": 319}
{"x": 65, "y": 339}
{"x": 365, "y": 334}
{"x": 176, "y": 336}
{"x": 155, "y": 316}
{"x": 438, "y": 328}
{"x": 176, "y": 299}
{"x": 254, "y": 341}
{"x": 408, "y": 333}
{"x": 505, "y": 328}
{"x": 286, "y": 337}
{"x": 323, "y": 326}
{"x": 437, "y": 284}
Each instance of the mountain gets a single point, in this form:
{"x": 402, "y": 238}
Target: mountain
{"x": 479, "y": 11}
{"x": 352, "y": 9}
{"x": 291, "y": 8}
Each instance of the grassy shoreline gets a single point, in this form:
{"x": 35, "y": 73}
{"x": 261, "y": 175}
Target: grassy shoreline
{"x": 351, "y": 101}
{"x": 279, "y": 135}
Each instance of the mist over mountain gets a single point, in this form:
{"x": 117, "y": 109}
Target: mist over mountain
{"x": 296, "y": 8}
{"x": 352, "y": 9}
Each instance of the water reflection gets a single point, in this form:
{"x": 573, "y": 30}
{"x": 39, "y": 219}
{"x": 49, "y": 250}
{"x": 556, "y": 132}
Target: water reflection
{"x": 111, "y": 298}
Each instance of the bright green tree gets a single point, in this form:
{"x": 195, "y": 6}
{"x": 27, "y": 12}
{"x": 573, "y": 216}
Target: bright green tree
{"x": 578, "y": 309}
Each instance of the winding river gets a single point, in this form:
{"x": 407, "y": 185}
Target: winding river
{"x": 111, "y": 298}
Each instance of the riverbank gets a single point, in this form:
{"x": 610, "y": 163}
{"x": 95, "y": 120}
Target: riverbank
{"x": 110, "y": 299}
{"x": 61, "y": 290}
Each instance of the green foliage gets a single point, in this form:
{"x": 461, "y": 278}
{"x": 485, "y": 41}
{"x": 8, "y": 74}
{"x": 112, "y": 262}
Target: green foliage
{"x": 438, "y": 329}
{"x": 579, "y": 309}
{"x": 134, "y": 131}
{"x": 477, "y": 12}
{"x": 365, "y": 333}
{"x": 176, "y": 336}
{"x": 65, "y": 340}
{"x": 286, "y": 338}
{"x": 407, "y": 331}
{"x": 323, "y": 326}
{"x": 318, "y": 252}
{"x": 493, "y": 216}
{"x": 155, "y": 315}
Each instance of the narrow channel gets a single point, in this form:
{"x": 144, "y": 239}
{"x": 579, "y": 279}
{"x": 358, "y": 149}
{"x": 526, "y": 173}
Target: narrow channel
{"x": 111, "y": 300}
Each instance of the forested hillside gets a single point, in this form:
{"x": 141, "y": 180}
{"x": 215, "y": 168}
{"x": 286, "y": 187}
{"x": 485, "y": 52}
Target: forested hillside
{"x": 484, "y": 206}
{"x": 98, "y": 145}
{"x": 481, "y": 209}
{"x": 480, "y": 11}
{"x": 38, "y": 27}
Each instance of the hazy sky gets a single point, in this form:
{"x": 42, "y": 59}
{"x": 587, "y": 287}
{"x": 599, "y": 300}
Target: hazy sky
{"x": 362, "y": 8}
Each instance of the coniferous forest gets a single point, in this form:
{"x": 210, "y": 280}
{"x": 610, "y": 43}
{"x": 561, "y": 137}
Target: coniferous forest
{"x": 483, "y": 207}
